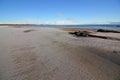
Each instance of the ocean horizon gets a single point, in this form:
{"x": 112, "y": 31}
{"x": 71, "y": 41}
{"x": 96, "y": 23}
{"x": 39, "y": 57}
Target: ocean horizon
{"x": 112, "y": 27}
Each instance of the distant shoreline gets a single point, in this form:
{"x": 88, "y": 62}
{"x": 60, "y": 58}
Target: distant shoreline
{"x": 12, "y": 24}
{"x": 18, "y": 24}
{"x": 88, "y": 26}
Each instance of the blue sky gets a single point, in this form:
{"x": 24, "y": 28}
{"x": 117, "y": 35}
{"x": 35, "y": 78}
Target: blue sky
{"x": 59, "y": 11}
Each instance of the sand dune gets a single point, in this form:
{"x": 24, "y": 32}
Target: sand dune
{"x": 53, "y": 54}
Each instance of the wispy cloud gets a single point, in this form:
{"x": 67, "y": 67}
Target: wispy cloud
{"x": 67, "y": 21}
{"x": 114, "y": 22}
{"x": 23, "y": 21}
{"x": 34, "y": 21}
{"x": 59, "y": 14}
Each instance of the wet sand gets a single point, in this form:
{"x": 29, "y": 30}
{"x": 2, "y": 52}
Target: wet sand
{"x": 53, "y": 54}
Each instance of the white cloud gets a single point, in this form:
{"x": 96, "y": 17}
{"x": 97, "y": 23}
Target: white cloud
{"x": 60, "y": 14}
{"x": 62, "y": 22}
{"x": 33, "y": 21}
{"x": 100, "y": 22}
{"x": 24, "y": 21}
{"x": 114, "y": 22}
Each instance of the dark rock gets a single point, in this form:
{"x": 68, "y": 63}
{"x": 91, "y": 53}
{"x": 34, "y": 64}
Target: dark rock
{"x": 80, "y": 33}
{"x": 112, "y": 31}
{"x": 87, "y": 34}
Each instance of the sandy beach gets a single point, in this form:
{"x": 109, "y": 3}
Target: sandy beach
{"x": 53, "y": 54}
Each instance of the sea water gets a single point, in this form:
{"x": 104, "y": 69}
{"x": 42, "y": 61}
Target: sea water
{"x": 111, "y": 27}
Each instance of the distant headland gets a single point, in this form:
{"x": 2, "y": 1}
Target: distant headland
{"x": 19, "y": 24}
